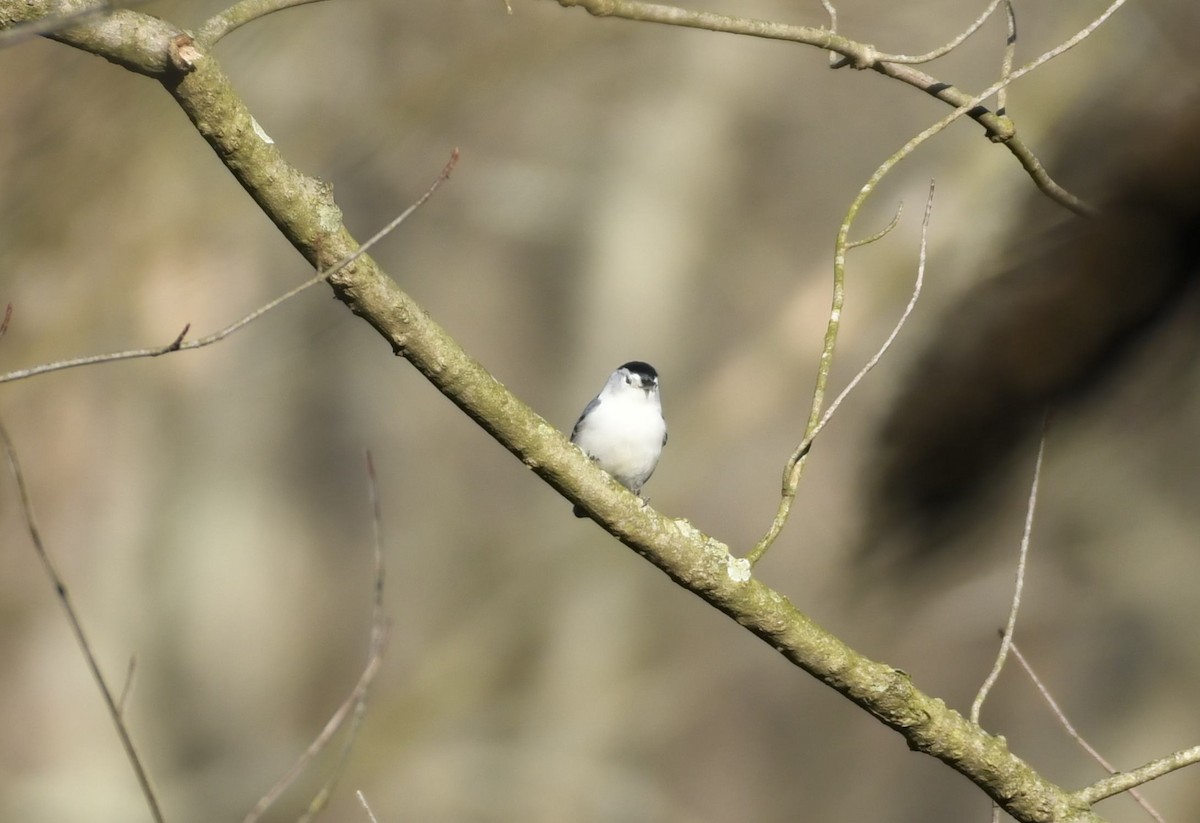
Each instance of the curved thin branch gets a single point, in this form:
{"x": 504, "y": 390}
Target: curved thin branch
{"x": 1124, "y": 781}
{"x": 831, "y": 10}
{"x": 795, "y": 464}
{"x": 942, "y": 51}
{"x": 1006, "y": 637}
{"x": 882, "y": 233}
{"x": 860, "y": 56}
{"x": 356, "y": 701}
{"x": 1010, "y": 51}
{"x": 238, "y": 15}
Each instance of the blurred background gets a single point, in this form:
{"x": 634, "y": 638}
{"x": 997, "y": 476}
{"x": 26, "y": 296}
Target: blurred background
{"x": 625, "y": 191}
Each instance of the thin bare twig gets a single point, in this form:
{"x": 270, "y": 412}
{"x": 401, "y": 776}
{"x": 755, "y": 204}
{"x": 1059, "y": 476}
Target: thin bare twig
{"x": 1010, "y": 626}
{"x": 178, "y": 343}
{"x": 1075, "y": 735}
{"x": 942, "y": 51}
{"x": 1010, "y": 51}
{"x": 362, "y": 799}
{"x": 864, "y": 56}
{"x": 1124, "y": 781}
{"x": 791, "y": 475}
{"x": 795, "y": 465}
{"x": 882, "y": 233}
{"x": 379, "y": 629}
{"x": 238, "y": 15}
{"x": 60, "y": 588}
{"x": 831, "y": 10}
{"x": 5, "y": 321}
{"x": 891, "y": 338}
{"x": 356, "y": 702}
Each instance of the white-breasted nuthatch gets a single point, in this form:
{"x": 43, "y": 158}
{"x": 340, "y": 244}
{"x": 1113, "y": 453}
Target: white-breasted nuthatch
{"x": 622, "y": 429}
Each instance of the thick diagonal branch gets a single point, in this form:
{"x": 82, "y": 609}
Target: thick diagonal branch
{"x": 304, "y": 211}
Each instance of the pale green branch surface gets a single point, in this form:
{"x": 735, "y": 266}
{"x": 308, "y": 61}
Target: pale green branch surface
{"x": 304, "y": 211}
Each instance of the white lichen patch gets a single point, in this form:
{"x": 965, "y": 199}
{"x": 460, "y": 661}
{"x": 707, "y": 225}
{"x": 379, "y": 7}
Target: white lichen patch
{"x": 738, "y": 569}
{"x": 262, "y": 134}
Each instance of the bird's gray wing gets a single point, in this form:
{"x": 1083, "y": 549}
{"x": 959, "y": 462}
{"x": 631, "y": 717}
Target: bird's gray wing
{"x": 595, "y": 401}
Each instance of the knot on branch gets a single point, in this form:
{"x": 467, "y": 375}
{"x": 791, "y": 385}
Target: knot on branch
{"x": 183, "y": 53}
{"x": 1003, "y": 131}
{"x": 859, "y": 56}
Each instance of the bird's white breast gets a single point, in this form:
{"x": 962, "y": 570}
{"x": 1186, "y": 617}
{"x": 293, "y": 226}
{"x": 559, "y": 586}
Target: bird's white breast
{"x": 624, "y": 433}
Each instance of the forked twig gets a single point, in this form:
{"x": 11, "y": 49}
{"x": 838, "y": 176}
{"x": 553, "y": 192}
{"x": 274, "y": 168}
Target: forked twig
{"x": 795, "y": 465}
{"x": 60, "y": 588}
{"x": 864, "y": 56}
{"x": 882, "y": 233}
{"x": 791, "y": 472}
{"x": 1076, "y": 736}
{"x": 178, "y": 344}
{"x": 356, "y": 702}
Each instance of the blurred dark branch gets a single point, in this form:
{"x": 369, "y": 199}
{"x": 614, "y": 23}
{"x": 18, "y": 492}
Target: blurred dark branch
{"x": 1000, "y": 129}
{"x": 49, "y": 24}
{"x": 304, "y": 211}
{"x": 127, "y": 686}
{"x": 60, "y": 589}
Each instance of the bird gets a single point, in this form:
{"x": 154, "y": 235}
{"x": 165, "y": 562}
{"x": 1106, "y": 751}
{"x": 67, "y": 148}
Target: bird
{"x": 622, "y": 428}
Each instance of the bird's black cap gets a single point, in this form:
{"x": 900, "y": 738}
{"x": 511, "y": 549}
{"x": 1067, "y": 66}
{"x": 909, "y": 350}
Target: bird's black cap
{"x": 638, "y": 367}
